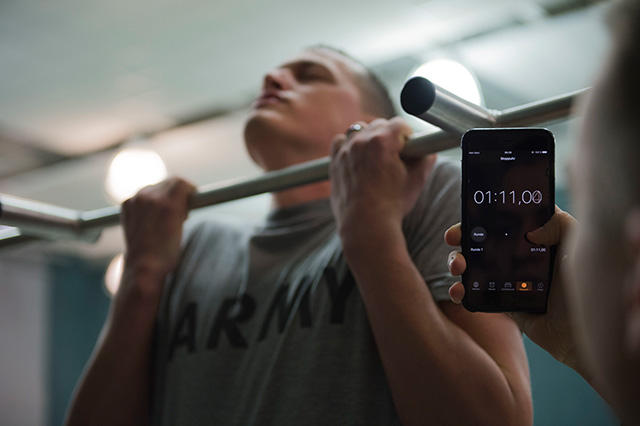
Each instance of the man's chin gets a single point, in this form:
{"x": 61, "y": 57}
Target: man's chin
{"x": 263, "y": 123}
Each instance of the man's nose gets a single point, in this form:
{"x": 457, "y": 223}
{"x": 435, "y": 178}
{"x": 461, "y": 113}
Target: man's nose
{"x": 279, "y": 78}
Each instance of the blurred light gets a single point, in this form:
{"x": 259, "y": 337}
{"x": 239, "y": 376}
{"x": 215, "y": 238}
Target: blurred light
{"x": 114, "y": 274}
{"x": 131, "y": 170}
{"x": 9, "y": 232}
{"x": 452, "y": 76}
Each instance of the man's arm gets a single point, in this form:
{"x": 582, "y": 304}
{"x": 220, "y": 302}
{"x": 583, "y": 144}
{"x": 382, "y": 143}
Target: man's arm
{"x": 444, "y": 365}
{"x": 115, "y": 388}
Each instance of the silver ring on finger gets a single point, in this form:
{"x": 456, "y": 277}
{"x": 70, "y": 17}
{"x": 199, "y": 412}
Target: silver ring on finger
{"x": 354, "y": 128}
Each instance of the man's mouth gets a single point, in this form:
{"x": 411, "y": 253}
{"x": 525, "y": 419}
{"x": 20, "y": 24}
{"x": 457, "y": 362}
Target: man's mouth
{"x": 268, "y": 98}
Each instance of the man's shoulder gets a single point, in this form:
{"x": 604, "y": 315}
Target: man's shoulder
{"x": 444, "y": 180}
{"x": 440, "y": 197}
{"x": 446, "y": 169}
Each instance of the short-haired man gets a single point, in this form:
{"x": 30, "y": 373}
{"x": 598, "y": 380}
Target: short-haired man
{"x": 335, "y": 311}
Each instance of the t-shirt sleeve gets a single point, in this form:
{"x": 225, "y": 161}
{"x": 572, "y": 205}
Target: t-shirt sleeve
{"x": 437, "y": 208}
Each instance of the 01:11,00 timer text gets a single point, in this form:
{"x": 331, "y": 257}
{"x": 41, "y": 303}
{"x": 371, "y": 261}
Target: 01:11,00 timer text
{"x": 527, "y": 197}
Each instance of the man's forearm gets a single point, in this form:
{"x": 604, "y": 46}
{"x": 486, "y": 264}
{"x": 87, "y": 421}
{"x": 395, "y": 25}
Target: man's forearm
{"x": 115, "y": 388}
{"x": 437, "y": 372}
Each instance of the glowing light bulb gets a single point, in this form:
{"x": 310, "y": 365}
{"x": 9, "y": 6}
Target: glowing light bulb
{"x": 131, "y": 170}
{"x": 451, "y": 76}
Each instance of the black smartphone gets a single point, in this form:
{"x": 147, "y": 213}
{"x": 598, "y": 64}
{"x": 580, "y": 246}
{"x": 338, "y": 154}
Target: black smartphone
{"x": 508, "y": 189}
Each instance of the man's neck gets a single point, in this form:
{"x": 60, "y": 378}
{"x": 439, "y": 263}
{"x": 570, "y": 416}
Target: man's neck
{"x": 301, "y": 194}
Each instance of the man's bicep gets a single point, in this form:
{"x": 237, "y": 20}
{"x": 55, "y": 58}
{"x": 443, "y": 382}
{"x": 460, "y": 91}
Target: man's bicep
{"x": 439, "y": 286}
{"x": 499, "y": 337}
{"x": 436, "y": 210}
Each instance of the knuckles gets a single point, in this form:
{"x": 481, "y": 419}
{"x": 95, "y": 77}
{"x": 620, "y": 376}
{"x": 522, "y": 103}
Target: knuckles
{"x": 565, "y": 218}
{"x": 381, "y": 136}
{"x": 380, "y": 140}
{"x": 166, "y": 196}
{"x": 384, "y": 135}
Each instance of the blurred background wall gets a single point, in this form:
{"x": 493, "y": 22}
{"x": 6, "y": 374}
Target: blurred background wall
{"x": 81, "y": 81}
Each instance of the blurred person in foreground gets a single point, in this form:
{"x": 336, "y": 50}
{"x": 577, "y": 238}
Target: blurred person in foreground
{"x": 592, "y": 323}
{"x": 335, "y": 311}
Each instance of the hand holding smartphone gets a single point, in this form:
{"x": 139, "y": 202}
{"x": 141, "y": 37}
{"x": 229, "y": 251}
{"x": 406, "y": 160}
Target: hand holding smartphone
{"x": 508, "y": 183}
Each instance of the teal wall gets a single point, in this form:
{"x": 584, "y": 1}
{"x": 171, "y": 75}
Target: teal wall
{"x": 78, "y": 309}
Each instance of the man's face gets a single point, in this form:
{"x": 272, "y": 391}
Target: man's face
{"x": 303, "y": 104}
{"x": 596, "y": 255}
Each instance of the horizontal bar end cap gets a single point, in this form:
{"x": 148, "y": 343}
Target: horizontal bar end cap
{"x": 417, "y": 96}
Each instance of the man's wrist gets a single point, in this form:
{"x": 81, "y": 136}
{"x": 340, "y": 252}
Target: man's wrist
{"x": 135, "y": 305}
{"x": 141, "y": 287}
{"x": 370, "y": 242}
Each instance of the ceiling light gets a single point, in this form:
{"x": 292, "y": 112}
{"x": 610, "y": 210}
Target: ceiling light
{"x": 452, "y": 76}
{"x": 131, "y": 170}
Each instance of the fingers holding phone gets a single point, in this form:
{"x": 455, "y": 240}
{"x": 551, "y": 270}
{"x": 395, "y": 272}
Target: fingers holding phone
{"x": 552, "y": 330}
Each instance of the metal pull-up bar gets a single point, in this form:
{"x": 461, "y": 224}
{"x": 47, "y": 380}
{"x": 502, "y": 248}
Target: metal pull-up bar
{"x": 419, "y": 97}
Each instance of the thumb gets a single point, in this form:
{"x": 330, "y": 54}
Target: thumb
{"x": 552, "y": 232}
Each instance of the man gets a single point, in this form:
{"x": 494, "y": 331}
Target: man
{"x": 322, "y": 315}
{"x": 592, "y": 323}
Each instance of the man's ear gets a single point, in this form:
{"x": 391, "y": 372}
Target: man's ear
{"x": 632, "y": 318}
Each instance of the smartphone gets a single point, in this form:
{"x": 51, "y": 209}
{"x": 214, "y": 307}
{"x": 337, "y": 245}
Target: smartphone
{"x": 508, "y": 189}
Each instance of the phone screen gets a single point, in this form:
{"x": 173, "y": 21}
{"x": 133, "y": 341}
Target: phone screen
{"x": 507, "y": 190}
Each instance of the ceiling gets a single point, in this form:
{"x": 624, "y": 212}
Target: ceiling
{"x": 81, "y": 78}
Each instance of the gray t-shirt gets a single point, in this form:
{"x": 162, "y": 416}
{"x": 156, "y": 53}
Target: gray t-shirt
{"x": 265, "y": 326}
